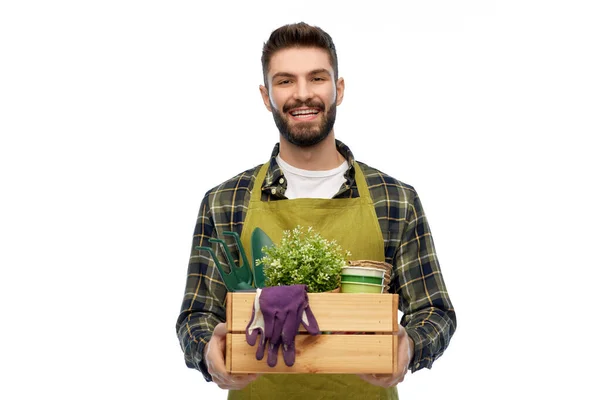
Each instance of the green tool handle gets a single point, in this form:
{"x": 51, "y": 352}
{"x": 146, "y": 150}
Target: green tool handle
{"x": 218, "y": 265}
{"x": 233, "y": 285}
{"x": 230, "y": 259}
{"x": 238, "y": 241}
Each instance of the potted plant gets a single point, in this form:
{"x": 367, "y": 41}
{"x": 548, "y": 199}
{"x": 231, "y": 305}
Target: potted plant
{"x": 304, "y": 257}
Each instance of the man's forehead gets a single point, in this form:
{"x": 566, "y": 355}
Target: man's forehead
{"x": 300, "y": 60}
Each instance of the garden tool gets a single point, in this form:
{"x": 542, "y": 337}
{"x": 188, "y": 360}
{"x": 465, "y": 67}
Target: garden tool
{"x": 239, "y": 278}
{"x": 259, "y": 241}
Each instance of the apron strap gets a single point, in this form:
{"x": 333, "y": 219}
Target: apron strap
{"x": 361, "y": 183}
{"x": 258, "y": 181}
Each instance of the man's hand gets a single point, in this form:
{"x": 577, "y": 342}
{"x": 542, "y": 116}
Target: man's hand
{"x": 406, "y": 349}
{"x": 214, "y": 355}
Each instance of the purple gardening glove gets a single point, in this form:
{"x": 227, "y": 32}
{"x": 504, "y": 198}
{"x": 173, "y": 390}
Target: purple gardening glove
{"x": 277, "y": 314}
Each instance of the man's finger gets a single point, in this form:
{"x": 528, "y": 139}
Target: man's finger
{"x": 220, "y": 329}
{"x": 374, "y": 379}
{"x": 215, "y": 362}
{"x": 234, "y": 382}
{"x": 395, "y": 379}
{"x": 382, "y": 380}
{"x": 215, "y": 352}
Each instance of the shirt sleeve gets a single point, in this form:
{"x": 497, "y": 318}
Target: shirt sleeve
{"x": 429, "y": 316}
{"x": 203, "y": 304}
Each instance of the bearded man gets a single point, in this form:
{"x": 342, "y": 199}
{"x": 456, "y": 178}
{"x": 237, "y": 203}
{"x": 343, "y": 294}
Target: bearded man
{"x": 369, "y": 213}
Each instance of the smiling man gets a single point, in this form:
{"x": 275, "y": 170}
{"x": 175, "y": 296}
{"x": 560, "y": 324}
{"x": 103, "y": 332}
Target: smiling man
{"x": 302, "y": 95}
{"x": 369, "y": 213}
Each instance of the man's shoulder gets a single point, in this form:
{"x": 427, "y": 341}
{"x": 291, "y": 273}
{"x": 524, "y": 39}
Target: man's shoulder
{"x": 385, "y": 185}
{"x": 234, "y": 188}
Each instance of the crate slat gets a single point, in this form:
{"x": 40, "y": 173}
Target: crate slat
{"x": 337, "y": 312}
{"x": 339, "y": 354}
{"x": 228, "y": 351}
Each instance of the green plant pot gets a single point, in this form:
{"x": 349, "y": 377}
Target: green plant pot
{"x": 363, "y": 271}
{"x": 362, "y": 279}
{"x": 358, "y": 287}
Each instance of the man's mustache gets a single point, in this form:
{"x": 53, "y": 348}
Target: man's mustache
{"x": 298, "y": 104}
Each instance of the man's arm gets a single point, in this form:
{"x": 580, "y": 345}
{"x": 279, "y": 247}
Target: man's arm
{"x": 203, "y": 304}
{"x": 429, "y": 317}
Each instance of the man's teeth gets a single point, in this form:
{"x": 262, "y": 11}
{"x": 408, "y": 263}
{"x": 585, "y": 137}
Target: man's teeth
{"x": 304, "y": 112}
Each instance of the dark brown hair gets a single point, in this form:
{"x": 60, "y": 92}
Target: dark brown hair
{"x": 298, "y": 35}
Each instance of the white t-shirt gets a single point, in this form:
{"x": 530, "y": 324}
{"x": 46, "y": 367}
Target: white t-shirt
{"x": 312, "y": 184}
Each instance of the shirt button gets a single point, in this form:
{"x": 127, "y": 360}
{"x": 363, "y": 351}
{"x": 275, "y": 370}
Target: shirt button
{"x": 417, "y": 366}
{"x": 281, "y": 180}
{"x": 273, "y": 191}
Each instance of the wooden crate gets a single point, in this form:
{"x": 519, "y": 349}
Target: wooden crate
{"x": 367, "y": 341}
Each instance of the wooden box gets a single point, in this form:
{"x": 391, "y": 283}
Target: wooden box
{"x": 363, "y": 336}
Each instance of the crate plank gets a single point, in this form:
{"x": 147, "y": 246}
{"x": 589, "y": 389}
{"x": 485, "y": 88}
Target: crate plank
{"x": 338, "y": 312}
{"x": 229, "y": 311}
{"x": 340, "y": 354}
{"x": 395, "y": 355}
{"x": 228, "y": 350}
{"x": 395, "y": 300}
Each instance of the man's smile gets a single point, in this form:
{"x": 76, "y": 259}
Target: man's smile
{"x": 304, "y": 113}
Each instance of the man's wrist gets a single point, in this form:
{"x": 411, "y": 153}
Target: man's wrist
{"x": 415, "y": 340}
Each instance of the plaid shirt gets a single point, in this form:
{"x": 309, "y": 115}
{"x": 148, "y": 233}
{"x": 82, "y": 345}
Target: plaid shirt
{"x": 428, "y": 315}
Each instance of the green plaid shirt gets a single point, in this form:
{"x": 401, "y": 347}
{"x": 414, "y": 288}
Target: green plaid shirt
{"x": 429, "y": 317}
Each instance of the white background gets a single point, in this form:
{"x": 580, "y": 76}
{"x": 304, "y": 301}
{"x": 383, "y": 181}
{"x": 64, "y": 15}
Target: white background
{"x": 117, "y": 116}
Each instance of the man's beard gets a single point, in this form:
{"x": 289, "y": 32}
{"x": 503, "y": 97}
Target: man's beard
{"x": 305, "y": 134}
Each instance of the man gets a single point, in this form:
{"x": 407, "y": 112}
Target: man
{"x": 372, "y": 215}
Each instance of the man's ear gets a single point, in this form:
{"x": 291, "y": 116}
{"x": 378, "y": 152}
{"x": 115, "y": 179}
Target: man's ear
{"x": 264, "y": 92}
{"x": 340, "y": 86}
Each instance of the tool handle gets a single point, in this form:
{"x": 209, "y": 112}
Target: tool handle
{"x": 224, "y": 275}
{"x": 228, "y": 254}
{"x": 238, "y": 241}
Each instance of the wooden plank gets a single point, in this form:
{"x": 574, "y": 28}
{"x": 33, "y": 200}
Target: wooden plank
{"x": 395, "y": 354}
{"x": 228, "y": 352}
{"x": 340, "y": 354}
{"x": 229, "y": 311}
{"x": 335, "y": 312}
{"x": 395, "y": 313}
{"x": 395, "y": 334}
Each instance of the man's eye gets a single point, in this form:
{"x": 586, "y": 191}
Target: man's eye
{"x": 284, "y": 82}
{"x": 318, "y": 79}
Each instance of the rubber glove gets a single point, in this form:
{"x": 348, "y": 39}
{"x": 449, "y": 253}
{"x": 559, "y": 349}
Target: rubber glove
{"x": 277, "y": 314}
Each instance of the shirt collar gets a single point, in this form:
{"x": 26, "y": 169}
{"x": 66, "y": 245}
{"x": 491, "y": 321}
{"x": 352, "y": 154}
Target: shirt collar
{"x": 274, "y": 181}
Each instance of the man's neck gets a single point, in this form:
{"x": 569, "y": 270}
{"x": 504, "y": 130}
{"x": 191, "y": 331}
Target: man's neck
{"x": 321, "y": 157}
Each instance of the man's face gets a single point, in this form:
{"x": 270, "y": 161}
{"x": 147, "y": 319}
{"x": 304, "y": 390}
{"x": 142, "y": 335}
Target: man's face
{"x": 302, "y": 94}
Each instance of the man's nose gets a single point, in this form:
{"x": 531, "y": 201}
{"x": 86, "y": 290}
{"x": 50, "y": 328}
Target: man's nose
{"x": 303, "y": 91}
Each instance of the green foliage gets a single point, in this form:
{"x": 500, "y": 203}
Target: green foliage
{"x": 304, "y": 258}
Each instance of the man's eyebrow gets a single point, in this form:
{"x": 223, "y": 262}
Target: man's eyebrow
{"x": 282, "y": 75}
{"x": 319, "y": 71}
{"x": 289, "y": 75}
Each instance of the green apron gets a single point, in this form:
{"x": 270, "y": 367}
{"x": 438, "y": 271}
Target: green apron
{"x": 354, "y": 225}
